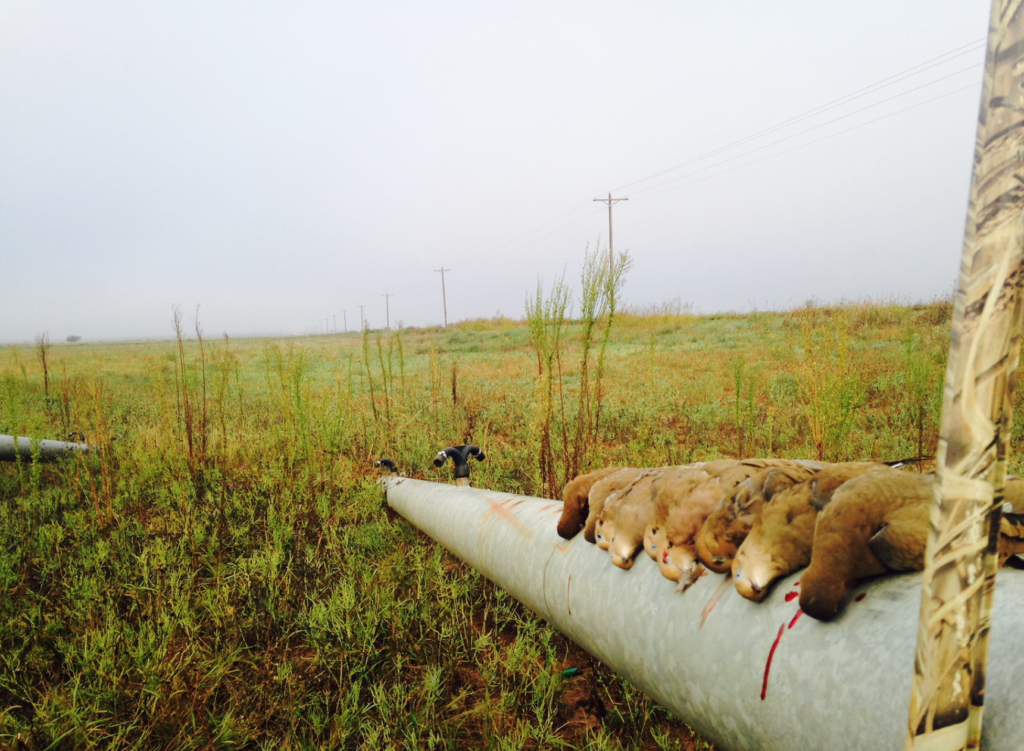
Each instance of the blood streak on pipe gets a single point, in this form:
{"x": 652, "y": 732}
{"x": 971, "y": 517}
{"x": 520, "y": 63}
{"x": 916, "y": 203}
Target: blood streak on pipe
{"x": 768, "y": 665}
{"x": 796, "y": 618}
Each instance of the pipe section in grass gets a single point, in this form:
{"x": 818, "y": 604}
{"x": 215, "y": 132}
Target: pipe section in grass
{"x": 748, "y": 676}
{"x": 11, "y": 448}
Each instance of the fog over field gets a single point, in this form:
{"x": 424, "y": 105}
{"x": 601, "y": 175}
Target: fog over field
{"x": 280, "y": 163}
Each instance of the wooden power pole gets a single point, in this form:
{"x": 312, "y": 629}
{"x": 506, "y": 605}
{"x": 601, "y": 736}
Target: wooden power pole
{"x": 387, "y": 309}
{"x": 344, "y": 320}
{"x": 611, "y": 255}
{"x": 948, "y": 688}
{"x": 362, "y": 318}
{"x": 444, "y": 295}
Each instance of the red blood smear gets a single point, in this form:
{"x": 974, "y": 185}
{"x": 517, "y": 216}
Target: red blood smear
{"x": 796, "y": 584}
{"x": 664, "y": 557}
{"x": 768, "y": 665}
{"x": 791, "y": 596}
{"x": 796, "y": 618}
{"x": 860, "y": 597}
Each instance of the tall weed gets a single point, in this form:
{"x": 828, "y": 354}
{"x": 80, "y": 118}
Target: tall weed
{"x": 830, "y": 389}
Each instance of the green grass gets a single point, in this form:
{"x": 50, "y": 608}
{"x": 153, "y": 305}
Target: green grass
{"x": 224, "y": 574}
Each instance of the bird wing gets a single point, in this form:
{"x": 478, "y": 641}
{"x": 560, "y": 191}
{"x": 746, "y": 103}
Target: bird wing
{"x": 899, "y": 545}
{"x": 1011, "y": 539}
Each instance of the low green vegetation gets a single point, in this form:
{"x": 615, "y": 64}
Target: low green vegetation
{"x": 224, "y": 574}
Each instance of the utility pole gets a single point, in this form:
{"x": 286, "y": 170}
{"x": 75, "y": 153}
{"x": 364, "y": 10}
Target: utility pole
{"x": 344, "y": 320}
{"x": 387, "y": 308}
{"x": 609, "y": 200}
{"x": 444, "y": 295}
{"x": 362, "y": 320}
{"x": 335, "y": 317}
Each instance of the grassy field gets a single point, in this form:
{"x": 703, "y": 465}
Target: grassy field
{"x": 224, "y": 574}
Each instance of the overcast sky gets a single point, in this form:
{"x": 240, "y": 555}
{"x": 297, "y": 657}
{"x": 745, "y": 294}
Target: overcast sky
{"x": 278, "y": 163}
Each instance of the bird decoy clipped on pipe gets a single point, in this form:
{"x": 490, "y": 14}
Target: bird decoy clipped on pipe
{"x": 460, "y": 458}
{"x": 387, "y": 465}
{"x": 387, "y": 469}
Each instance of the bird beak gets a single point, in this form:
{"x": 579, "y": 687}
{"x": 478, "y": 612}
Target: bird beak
{"x": 623, "y": 563}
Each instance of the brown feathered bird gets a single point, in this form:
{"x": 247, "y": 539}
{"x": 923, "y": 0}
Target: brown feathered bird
{"x": 1011, "y": 527}
{"x": 666, "y": 491}
{"x": 601, "y": 492}
{"x": 681, "y": 506}
{"x": 875, "y": 523}
{"x": 576, "y": 506}
{"x": 715, "y": 469}
{"x": 626, "y": 518}
{"x": 718, "y": 467}
{"x": 622, "y": 524}
{"x": 780, "y": 539}
{"x": 609, "y": 491}
{"x": 731, "y": 476}
{"x": 728, "y": 525}
{"x": 828, "y": 480}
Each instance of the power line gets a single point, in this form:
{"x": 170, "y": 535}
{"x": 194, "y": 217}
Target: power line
{"x": 864, "y": 91}
{"x": 515, "y": 243}
{"x": 558, "y": 224}
{"x": 506, "y": 251}
{"x": 641, "y": 194}
{"x": 500, "y": 248}
{"x": 808, "y": 143}
{"x": 812, "y": 128}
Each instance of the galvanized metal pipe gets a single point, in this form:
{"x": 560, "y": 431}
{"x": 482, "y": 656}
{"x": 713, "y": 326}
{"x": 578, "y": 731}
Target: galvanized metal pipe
{"x": 838, "y": 685}
{"x": 11, "y": 448}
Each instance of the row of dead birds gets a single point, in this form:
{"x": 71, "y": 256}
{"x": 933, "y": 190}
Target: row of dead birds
{"x": 763, "y": 519}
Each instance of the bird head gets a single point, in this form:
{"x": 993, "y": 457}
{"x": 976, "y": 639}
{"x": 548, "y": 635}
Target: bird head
{"x": 574, "y": 516}
{"x": 654, "y": 539}
{"x": 678, "y": 563}
{"x": 821, "y": 593}
{"x": 622, "y": 551}
{"x": 604, "y": 533}
{"x": 712, "y": 546}
{"x": 753, "y": 571}
{"x": 621, "y": 561}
